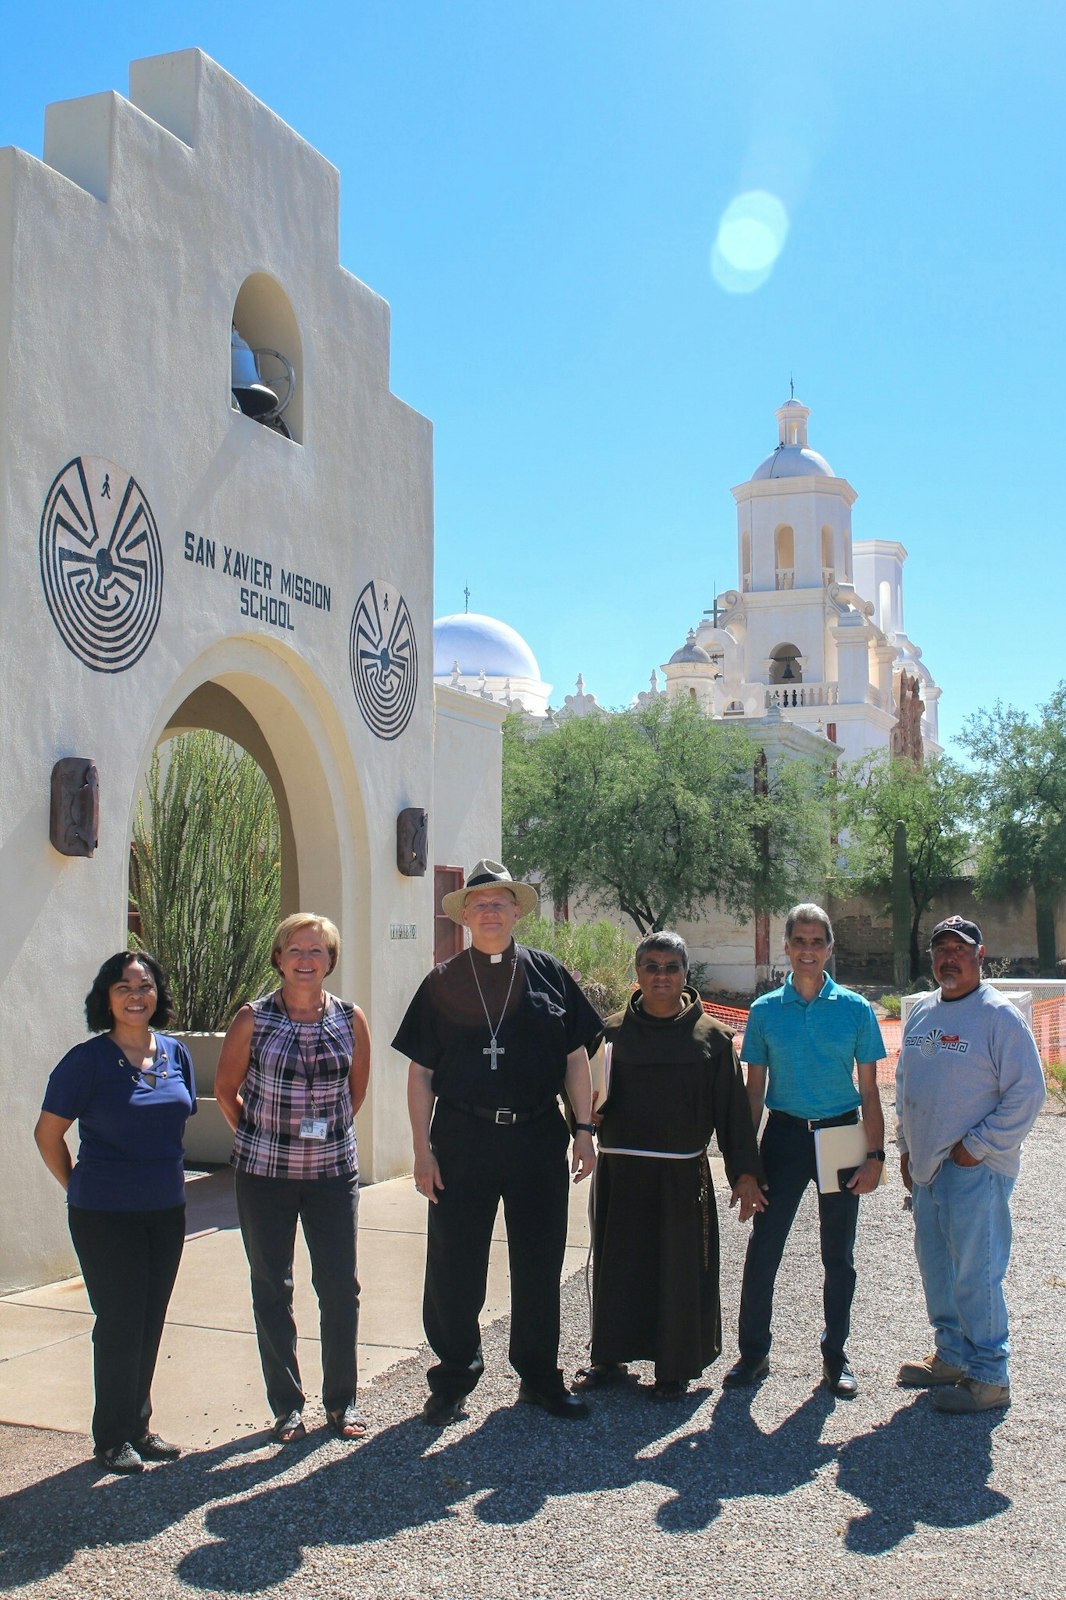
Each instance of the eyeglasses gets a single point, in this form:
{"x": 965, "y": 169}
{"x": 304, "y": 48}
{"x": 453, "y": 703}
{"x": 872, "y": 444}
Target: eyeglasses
{"x": 494, "y": 907}
{"x": 654, "y": 967}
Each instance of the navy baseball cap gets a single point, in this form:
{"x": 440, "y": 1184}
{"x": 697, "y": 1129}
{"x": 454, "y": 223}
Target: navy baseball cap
{"x": 967, "y": 931}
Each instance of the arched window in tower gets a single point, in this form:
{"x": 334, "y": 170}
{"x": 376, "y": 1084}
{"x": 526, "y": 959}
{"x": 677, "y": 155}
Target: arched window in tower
{"x": 784, "y": 557}
{"x": 828, "y": 563}
{"x": 266, "y": 357}
{"x": 785, "y": 665}
{"x": 884, "y": 606}
{"x": 745, "y": 560}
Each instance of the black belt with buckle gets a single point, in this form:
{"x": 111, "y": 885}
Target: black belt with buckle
{"x": 811, "y": 1125}
{"x": 502, "y": 1116}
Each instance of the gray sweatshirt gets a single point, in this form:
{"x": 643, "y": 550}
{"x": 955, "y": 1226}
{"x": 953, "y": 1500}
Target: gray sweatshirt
{"x": 969, "y": 1069}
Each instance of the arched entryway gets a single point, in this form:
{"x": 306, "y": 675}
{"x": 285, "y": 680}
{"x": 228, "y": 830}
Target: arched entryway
{"x": 266, "y": 702}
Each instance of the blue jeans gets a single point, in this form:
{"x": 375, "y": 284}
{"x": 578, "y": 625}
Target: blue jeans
{"x": 962, "y": 1238}
{"x": 787, "y": 1151}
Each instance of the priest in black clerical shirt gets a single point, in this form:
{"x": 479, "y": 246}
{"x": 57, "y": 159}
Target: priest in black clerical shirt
{"x": 493, "y": 1036}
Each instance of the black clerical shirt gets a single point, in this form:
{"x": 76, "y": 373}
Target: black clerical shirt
{"x": 546, "y": 1017}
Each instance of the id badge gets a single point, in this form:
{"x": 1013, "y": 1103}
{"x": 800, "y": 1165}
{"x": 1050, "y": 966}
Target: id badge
{"x": 313, "y": 1128}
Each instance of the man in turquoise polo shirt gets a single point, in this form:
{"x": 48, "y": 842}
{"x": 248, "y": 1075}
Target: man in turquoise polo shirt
{"x": 802, "y": 1045}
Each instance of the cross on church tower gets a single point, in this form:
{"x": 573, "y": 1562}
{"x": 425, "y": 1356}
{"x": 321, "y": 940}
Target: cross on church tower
{"x": 466, "y": 597}
{"x": 715, "y": 612}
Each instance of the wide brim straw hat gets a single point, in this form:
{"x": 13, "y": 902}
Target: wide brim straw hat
{"x": 484, "y": 876}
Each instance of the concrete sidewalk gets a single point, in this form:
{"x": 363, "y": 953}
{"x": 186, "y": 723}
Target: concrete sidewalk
{"x": 209, "y": 1385}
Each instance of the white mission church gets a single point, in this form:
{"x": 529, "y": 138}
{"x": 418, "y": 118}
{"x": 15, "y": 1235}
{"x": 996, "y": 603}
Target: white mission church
{"x": 813, "y": 630}
{"x": 809, "y": 647}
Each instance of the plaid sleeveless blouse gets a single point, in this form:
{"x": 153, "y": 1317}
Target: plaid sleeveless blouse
{"x": 277, "y": 1095}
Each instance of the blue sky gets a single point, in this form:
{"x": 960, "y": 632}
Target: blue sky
{"x": 537, "y": 191}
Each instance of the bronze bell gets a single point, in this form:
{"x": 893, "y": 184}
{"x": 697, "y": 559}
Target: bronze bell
{"x": 254, "y": 397}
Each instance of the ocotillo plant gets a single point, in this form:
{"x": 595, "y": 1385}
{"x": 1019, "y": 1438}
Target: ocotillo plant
{"x": 206, "y": 875}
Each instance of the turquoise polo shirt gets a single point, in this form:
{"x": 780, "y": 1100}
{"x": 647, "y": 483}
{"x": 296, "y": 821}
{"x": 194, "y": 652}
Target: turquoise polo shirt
{"x": 810, "y": 1047}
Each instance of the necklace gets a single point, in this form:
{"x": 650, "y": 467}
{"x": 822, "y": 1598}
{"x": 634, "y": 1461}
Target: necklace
{"x": 493, "y": 1049}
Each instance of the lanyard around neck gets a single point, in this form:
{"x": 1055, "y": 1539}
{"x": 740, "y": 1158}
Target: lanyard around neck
{"x": 308, "y": 1072}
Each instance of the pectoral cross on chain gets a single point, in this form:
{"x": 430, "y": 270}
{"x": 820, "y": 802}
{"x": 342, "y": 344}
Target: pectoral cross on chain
{"x": 492, "y": 1049}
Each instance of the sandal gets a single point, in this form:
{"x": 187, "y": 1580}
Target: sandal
{"x": 286, "y": 1429}
{"x": 600, "y": 1374}
{"x": 669, "y": 1389}
{"x": 347, "y": 1424}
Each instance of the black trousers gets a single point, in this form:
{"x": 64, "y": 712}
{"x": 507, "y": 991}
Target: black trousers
{"x": 481, "y": 1164}
{"x": 129, "y": 1260}
{"x": 328, "y": 1209}
{"x": 788, "y": 1159}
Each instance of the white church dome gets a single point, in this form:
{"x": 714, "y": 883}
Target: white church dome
{"x": 690, "y": 652}
{"x": 793, "y": 457}
{"x": 789, "y": 461}
{"x": 480, "y": 644}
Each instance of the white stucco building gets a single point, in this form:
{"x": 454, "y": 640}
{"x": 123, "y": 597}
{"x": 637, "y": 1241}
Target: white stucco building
{"x": 167, "y": 562}
{"x": 814, "y": 627}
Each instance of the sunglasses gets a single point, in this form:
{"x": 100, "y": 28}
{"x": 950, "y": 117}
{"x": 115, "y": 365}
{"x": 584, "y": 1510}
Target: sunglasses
{"x": 655, "y": 967}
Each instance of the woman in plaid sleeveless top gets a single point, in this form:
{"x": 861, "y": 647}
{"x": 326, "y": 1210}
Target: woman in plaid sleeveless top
{"x": 292, "y": 1074}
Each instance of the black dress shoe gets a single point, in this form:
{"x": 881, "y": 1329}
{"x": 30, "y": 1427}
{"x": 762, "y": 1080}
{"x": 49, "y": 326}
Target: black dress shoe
{"x": 840, "y": 1381}
{"x": 744, "y": 1373}
{"x": 440, "y": 1409}
{"x": 120, "y": 1458}
{"x": 556, "y": 1402}
{"x": 153, "y": 1448}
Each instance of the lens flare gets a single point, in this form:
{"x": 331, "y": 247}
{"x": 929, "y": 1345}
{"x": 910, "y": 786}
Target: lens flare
{"x": 751, "y": 235}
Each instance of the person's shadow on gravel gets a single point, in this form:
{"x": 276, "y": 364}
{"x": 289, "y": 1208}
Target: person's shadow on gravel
{"x": 43, "y": 1527}
{"x": 409, "y": 1477}
{"x": 506, "y": 1470}
{"x": 919, "y": 1467}
{"x": 733, "y": 1459}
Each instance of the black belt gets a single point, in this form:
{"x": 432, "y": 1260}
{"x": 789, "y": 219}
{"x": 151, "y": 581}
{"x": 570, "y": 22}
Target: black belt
{"x": 840, "y": 1121}
{"x": 502, "y": 1116}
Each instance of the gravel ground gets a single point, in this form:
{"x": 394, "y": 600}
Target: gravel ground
{"x": 782, "y": 1495}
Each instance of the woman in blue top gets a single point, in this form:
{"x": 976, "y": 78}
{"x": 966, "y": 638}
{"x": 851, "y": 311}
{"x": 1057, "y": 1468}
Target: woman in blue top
{"x": 131, "y": 1092}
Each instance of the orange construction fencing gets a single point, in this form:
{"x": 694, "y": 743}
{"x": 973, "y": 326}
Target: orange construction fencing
{"x": 1049, "y": 1029}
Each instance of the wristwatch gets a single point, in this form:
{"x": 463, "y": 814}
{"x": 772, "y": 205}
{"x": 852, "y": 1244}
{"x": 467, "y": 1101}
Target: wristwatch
{"x": 875, "y": 1155}
{"x": 584, "y": 1127}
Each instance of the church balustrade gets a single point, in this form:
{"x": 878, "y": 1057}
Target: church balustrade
{"x": 788, "y": 696}
{"x": 785, "y": 578}
{"x": 828, "y": 576}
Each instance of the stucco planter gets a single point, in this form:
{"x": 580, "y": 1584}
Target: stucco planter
{"x": 208, "y": 1139}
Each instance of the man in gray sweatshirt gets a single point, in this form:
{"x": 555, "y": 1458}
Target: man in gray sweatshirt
{"x": 969, "y": 1086}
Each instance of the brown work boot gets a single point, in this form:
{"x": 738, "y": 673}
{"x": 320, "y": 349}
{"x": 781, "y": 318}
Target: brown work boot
{"x": 973, "y": 1395}
{"x": 928, "y": 1373}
